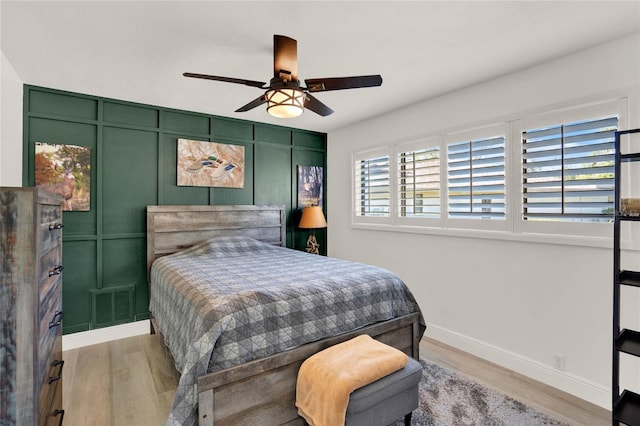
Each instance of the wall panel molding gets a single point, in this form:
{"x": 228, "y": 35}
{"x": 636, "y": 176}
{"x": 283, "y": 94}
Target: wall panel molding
{"x": 133, "y": 164}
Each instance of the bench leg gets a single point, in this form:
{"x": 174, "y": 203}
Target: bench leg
{"x": 407, "y": 419}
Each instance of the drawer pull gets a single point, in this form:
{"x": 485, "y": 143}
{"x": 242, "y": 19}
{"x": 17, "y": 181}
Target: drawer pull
{"x": 60, "y": 413}
{"x": 56, "y": 271}
{"x": 56, "y": 226}
{"x": 57, "y": 319}
{"x": 59, "y": 376}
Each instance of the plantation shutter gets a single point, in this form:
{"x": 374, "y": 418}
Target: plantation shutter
{"x": 372, "y": 187}
{"x": 568, "y": 172}
{"x": 476, "y": 179}
{"x": 419, "y": 183}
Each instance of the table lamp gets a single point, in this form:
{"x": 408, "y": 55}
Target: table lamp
{"x": 312, "y": 218}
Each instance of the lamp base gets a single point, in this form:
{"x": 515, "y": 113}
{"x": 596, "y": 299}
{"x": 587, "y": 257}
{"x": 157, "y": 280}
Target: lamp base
{"x": 312, "y": 245}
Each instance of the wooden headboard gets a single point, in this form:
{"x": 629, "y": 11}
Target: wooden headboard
{"x": 174, "y": 228}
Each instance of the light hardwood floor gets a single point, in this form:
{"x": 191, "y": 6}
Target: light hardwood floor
{"x": 126, "y": 382}
{"x": 129, "y": 382}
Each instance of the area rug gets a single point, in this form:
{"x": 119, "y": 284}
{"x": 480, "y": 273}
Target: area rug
{"x": 451, "y": 399}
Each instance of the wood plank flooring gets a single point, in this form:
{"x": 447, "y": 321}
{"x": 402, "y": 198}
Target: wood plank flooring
{"x": 125, "y": 382}
{"x": 129, "y": 382}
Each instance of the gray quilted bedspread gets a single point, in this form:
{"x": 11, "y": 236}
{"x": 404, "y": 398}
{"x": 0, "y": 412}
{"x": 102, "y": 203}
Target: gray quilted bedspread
{"x": 230, "y": 300}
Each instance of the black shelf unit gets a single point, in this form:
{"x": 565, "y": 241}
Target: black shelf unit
{"x": 625, "y": 405}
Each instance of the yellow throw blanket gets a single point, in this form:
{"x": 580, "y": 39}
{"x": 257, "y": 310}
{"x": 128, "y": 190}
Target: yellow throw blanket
{"x": 326, "y": 379}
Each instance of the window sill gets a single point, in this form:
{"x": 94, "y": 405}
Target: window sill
{"x": 569, "y": 240}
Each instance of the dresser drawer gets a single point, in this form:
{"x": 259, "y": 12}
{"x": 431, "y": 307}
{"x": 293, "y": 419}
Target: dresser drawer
{"x": 50, "y": 228}
{"x": 51, "y": 412}
{"x": 50, "y": 271}
{"x": 50, "y": 396}
{"x": 50, "y": 327}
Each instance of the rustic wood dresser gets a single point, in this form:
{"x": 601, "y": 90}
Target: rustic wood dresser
{"x": 30, "y": 307}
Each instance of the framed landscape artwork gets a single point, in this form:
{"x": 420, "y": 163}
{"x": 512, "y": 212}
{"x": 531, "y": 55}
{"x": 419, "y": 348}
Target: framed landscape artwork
{"x": 210, "y": 164}
{"x": 65, "y": 170}
{"x": 309, "y": 186}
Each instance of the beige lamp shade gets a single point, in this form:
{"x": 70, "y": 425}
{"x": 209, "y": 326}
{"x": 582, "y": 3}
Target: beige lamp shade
{"x": 312, "y": 218}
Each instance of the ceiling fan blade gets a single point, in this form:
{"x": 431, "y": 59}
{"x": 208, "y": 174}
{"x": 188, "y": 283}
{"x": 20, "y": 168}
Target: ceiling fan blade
{"x": 254, "y": 103}
{"x": 285, "y": 57}
{"x": 316, "y": 106}
{"x": 340, "y": 83}
{"x": 251, "y": 83}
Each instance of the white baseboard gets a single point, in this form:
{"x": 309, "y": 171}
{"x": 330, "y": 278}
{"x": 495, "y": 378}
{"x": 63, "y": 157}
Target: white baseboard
{"x": 567, "y": 382}
{"x": 101, "y": 335}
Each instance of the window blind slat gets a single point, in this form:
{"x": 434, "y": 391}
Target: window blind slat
{"x": 569, "y": 172}
{"x": 542, "y": 174}
{"x": 477, "y": 198}
{"x": 543, "y": 144}
{"x": 553, "y": 153}
{"x": 476, "y": 215}
{"x": 590, "y": 139}
{"x": 489, "y": 162}
{"x": 531, "y": 166}
{"x": 476, "y": 179}
{"x": 608, "y": 122}
{"x": 484, "y": 153}
{"x": 602, "y": 205}
{"x": 590, "y": 159}
{"x": 543, "y": 164}
{"x": 603, "y": 182}
{"x": 557, "y": 194}
{"x": 489, "y": 143}
{"x": 589, "y": 171}
{"x": 544, "y": 133}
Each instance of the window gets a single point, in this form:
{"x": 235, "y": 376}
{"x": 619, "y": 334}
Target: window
{"x": 419, "y": 183}
{"x": 476, "y": 178}
{"x": 372, "y": 195}
{"x": 567, "y": 171}
{"x": 546, "y": 177}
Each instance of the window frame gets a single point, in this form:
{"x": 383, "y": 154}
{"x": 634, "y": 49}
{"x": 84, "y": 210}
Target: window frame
{"x": 471, "y": 135}
{"x": 559, "y": 228}
{"x": 418, "y": 145}
{"x": 369, "y": 155}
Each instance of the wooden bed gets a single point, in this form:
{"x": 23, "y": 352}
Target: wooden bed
{"x": 261, "y": 391}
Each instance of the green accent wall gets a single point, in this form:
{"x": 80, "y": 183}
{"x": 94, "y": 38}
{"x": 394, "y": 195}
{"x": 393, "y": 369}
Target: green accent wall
{"x": 133, "y": 165}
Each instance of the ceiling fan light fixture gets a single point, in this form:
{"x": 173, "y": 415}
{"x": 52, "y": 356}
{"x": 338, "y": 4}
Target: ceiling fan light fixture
{"x": 284, "y": 96}
{"x": 285, "y": 102}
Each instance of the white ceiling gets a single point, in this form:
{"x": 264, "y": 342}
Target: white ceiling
{"x": 137, "y": 51}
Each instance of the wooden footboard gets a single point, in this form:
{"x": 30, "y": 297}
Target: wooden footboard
{"x": 263, "y": 391}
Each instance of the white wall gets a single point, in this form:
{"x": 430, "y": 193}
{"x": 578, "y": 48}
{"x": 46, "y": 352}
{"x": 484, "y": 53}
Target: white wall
{"x": 10, "y": 125}
{"x": 479, "y": 294}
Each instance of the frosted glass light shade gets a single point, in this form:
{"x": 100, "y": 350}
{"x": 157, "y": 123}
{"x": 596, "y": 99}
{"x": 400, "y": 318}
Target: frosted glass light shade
{"x": 285, "y": 102}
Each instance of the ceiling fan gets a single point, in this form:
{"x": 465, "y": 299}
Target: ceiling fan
{"x": 284, "y": 96}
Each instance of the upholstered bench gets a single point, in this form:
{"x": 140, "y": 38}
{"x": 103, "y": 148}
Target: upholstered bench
{"x": 358, "y": 382}
{"x": 386, "y": 400}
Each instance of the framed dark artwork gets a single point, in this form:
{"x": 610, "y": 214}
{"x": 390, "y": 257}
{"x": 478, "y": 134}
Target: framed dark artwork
{"x": 65, "y": 170}
{"x": 214, "y": 164}
{"x": 310, "y": 186}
